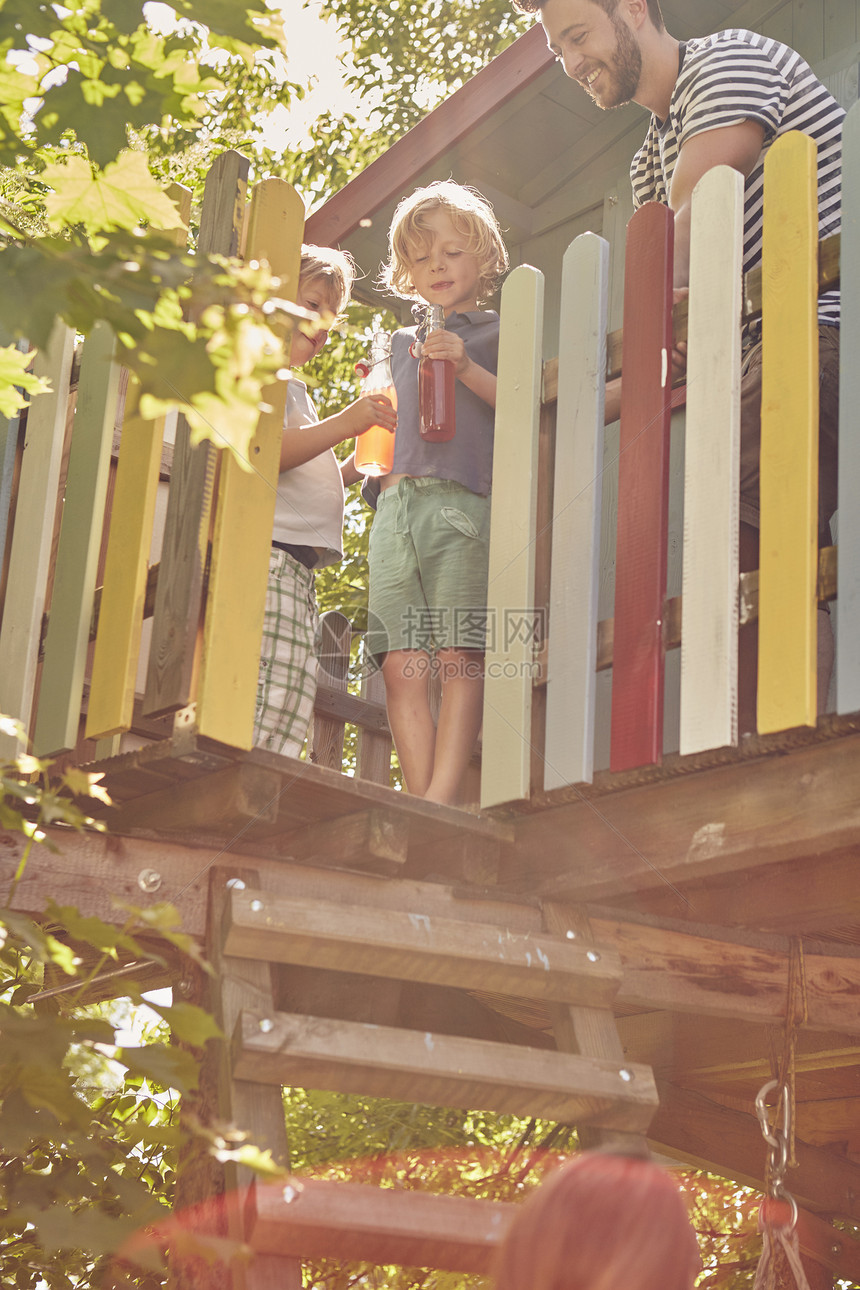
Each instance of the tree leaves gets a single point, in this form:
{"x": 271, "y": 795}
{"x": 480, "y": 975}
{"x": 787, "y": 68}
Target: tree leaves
{"x": 120, "y": 196}
{"x": 16, "y": 380}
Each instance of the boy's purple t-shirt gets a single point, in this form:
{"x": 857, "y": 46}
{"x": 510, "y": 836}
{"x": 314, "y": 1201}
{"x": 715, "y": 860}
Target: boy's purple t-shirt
{"x": 468, "y": 457}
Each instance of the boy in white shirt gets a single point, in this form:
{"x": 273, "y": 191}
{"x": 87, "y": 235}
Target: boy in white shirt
{"x": 308, "y": 528}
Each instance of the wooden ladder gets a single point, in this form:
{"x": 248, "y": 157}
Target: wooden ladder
{"x": 348, "y": 936}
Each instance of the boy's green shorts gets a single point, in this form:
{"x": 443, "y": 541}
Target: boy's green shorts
{"x": 429, "y": 557}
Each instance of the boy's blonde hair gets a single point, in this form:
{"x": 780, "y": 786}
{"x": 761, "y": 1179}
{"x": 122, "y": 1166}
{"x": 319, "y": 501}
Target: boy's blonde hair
{"x": 474, "y": 221}
{"x": 334, "y": 269}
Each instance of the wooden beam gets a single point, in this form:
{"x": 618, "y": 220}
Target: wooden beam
{"x": 442, "y": 1070}
{"x": 377, "y": 840}
{"x": 796, "y": 897}
{"x": 89, "y": 869}
{"x": 312, "y": 1218}
{"x": 226, "y": 799}
{"x": 687, "y": 971}
{"x": 721, "y": 820}
{"x": 694, "y": 1129}
{"x": 715, "y": 1054}
{"x": 416, "y": 947}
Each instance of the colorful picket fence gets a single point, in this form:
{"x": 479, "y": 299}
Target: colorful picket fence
{"x": 557, "y": 717}
{"x": 547, "y": 644}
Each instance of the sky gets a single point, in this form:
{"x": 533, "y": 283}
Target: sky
{"x": 314, "y": 50}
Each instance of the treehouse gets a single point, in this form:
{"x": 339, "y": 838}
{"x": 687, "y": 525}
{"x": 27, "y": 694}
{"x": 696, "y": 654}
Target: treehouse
{"x": 649, "y": 901}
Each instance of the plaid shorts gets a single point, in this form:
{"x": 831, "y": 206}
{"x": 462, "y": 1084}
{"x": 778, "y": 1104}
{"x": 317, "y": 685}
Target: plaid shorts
{"x": 287, "y": 682}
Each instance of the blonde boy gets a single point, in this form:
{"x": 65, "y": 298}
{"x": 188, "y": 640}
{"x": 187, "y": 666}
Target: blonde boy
{"x": 308, "y": 528}
{"x": 429, "y": 544}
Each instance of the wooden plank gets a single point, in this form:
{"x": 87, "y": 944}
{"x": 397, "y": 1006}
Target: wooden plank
{"x": 709, "y": 647}
{"x": 748, "y": 584}
{"x": 506, "y": 739}
{"x": 376, "y": 840}
{"x": 373, "y": 751}
{"x": 328, "y": 733}
{"x": 418, "y": 947}
{"x": 848, "y": 617}
{"x": 173, "y": 653}
{"x": 694, "y": 1129}
{"x": 788, "y": 641}
{"x": 62, "y": 681}
{"x": 581, "y": 1027}
{"x": 89, "y": 870}
{"x": 368, "y": 715}
{"x": 121, "y": 604}
{"x": 442, "y": 1070}
{"x": 227, "y": 799}
{"x": 9, "y": 428}
{"x": 798, "y": 896}
{"x": 312, "y": 1218}
{"x": 245, "y": 507}
{"x": 721, "y": 820}
{"x": 577, "y": 491}
{"x": 643, "y": 492}
{"x": 684, "y": 970}
{"x": 32, "y": 537}
{"x": 255, "y": 1109}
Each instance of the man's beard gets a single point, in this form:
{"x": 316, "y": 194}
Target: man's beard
{"x": 624, "y": 71}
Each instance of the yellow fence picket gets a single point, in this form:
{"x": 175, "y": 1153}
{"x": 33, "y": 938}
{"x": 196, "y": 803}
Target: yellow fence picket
{"x": 117, "y": 648}
{"x": 709, "y": 646}
{"x": 507, "y": 733}
{"x": 32, "y": 536}
{"x": 788, "y": 560}
{"x": 245, "y": 508}
{"x": 62, "y": 683}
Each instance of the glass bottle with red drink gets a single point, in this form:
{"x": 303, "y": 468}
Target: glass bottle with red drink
{"x": 436, "y": 395}
{"x": 374, "y": 450}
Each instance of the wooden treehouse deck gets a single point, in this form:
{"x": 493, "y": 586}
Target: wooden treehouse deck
{"x": 614, "y": 938}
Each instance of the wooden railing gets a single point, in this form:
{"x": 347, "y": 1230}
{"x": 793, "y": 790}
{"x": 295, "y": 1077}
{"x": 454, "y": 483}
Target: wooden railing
{"x": 549, "y": 549}
{"x": 552, "y": 548}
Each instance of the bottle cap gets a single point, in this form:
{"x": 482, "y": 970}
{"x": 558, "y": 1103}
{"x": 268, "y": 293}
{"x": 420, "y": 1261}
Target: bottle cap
{"x": 362, "y": 368}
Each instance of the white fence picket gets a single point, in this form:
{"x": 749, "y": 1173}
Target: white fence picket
{"x": 709, "y": 646}
{"x": 572, "y": 651}
{"x": 506, "y": 743}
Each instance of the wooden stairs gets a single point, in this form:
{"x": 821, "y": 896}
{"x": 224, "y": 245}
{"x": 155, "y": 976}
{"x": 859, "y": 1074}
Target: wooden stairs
{"x": 362, "y": 1039}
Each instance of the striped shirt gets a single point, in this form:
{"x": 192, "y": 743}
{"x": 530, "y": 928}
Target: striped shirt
{"x": 735, "y": 76}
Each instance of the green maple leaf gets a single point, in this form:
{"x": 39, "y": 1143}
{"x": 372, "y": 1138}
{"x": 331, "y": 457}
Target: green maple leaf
{"x": 14, "y": 379}
{"x": 121, "y": 196}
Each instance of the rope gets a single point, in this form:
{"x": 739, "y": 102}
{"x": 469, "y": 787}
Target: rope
{"x": 780, "y": 1257}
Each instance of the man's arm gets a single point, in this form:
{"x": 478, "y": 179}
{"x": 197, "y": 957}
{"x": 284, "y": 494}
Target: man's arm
{"x": 738, "y": 146}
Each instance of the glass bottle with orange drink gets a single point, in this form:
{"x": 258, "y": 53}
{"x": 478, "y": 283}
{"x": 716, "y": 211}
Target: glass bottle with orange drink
{"x": 374, "y": 450}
